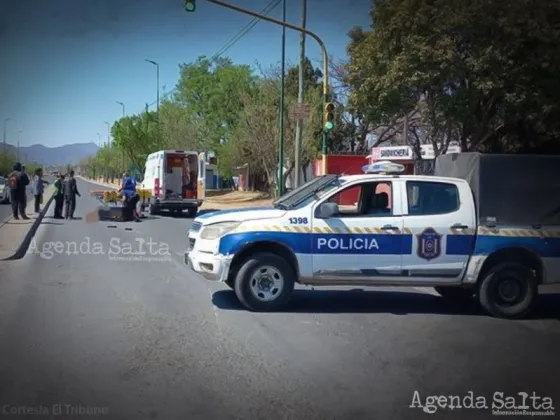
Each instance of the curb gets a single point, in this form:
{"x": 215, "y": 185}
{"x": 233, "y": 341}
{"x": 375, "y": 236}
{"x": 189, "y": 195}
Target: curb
{"x": 22, "y": 249}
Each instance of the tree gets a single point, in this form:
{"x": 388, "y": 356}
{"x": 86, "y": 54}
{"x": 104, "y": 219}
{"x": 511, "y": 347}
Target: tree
{"x": 481, "y": 70}
{"x": 7, "y": 161}
{"x": 210, "y": 92}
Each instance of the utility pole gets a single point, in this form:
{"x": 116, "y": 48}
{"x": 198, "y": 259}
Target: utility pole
{"x": 405, "y": 129}
{"x": 282, "y": 94}
{"x": 299, "y": 123}
{"x": 4, "y": 136}
{"x": 323, "y": 51}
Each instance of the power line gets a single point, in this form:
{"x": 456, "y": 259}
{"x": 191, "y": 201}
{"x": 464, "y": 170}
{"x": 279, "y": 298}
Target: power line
{"x": 242, "y": 32}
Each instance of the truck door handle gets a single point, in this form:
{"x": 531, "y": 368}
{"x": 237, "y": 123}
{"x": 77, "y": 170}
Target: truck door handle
{"x": 389, "y": 227}
{"x": 459, "y": 226}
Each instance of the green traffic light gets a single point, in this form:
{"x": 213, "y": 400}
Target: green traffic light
{"x": 190, "y": 6}
{"x": 329, "y": 125}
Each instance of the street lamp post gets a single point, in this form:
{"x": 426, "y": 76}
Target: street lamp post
{"x": 108, "y": 133}
{"x": 18, "y": 139}
{"x": 5, "y": 134}
{"x": 123, "y": 115}
{"x": 123, "y": 108}
{"x": 157, "y": 80}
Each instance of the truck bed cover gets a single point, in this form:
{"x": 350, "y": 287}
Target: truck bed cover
{"x": 508, "y": 189}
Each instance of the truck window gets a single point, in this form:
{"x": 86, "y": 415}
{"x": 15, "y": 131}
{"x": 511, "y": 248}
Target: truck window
{"x": 431, "y": 198}
{"x": 365, "y": 200}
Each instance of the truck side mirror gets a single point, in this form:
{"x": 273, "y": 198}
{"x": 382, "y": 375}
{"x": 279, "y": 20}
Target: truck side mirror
{"x": 327, "y": 210}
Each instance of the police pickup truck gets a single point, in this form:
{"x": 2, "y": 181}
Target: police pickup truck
{"x": 386, "y": 229}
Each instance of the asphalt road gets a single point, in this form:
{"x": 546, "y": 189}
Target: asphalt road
{"x": 151, "y": 340}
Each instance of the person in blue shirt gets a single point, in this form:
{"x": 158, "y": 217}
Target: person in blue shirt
{"x": 131, "y": 198}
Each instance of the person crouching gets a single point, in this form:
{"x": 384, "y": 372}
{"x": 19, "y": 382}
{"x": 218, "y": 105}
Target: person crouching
{"x": 130, "y": 200}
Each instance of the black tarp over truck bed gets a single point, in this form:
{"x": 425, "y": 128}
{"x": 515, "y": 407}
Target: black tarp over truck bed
{"x": 521, "y": 190}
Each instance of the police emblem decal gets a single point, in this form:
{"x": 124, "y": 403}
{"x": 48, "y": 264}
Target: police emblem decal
{"x": 429, "y": 244}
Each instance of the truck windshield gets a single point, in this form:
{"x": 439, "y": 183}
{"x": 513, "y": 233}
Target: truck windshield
{"x": 311, "y": 190}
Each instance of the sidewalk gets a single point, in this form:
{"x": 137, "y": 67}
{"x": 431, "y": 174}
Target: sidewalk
{"x": 13, "y": 232}
{"x": 224, "y": 201}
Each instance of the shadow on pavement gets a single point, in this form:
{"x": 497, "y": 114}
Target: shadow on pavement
{"x": 397, "y": 303}
{"x": 52, "y": 223}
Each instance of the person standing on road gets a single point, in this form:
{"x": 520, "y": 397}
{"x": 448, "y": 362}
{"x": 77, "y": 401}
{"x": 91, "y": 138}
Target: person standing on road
{"x": 18, "y": 182}
{"x": 70, "y": 193}
{"x": 58, "y": 196}
{"x": 27, "y": 181}
{"x": 38, "y": 187}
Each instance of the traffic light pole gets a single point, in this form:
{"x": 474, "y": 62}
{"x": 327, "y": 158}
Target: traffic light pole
{"x": 313, "y": 35}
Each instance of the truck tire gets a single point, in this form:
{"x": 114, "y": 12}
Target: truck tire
{"x": 192, "y": 212}
{"x": 152, "y": 208}
{"x": 508, "y": 290}
{"x": 455, "y": 293}
{"x": 265, "y": 282}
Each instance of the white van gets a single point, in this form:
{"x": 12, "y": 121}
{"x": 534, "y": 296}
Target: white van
{"x": 176, "y": 179}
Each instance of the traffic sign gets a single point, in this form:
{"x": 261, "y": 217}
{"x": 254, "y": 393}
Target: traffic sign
{"x": 300, "y": 111}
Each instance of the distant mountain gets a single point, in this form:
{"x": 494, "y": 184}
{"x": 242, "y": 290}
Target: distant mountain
{"x": 54, "y": 156}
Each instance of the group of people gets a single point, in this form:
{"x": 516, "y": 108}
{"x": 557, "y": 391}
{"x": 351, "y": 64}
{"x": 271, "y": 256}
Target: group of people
{"x": 18, "y": 180}
{"x": 65, "y": 193}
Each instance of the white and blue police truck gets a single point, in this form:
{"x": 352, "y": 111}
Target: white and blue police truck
{"x": 471, "y": 236}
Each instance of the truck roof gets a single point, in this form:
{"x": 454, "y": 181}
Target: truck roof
{"x": 187, "y": 152}
{"x": 375, "y": 177}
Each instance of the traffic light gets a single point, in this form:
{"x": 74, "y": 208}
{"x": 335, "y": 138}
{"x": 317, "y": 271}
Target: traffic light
{"x": 190, "y": 5}
{"x": 329, "y": 116}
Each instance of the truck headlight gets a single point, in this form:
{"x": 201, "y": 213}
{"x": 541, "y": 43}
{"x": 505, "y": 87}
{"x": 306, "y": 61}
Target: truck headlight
{"x": 218, "y": 230}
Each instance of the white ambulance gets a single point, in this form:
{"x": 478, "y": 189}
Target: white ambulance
{"x": 176, "y": 180}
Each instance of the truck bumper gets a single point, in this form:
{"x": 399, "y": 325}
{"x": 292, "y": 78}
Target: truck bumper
{"x": 211, "y": 267}
{"x": 178, "y": 204}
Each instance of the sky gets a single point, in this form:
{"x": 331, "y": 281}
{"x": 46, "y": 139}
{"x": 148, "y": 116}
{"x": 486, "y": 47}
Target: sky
{"x": 65, "y": 63}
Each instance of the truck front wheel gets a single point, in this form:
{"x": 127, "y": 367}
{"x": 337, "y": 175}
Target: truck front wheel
{"x": 264, "y": 282}
{"x": 508, "y": 290}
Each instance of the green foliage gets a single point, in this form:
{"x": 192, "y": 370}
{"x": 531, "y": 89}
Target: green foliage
{"x": 483, "y": 71}
{"x": 222, "y": 107}
{"x": 7, "y": 161}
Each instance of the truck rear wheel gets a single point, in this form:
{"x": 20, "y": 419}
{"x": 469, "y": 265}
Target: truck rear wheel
{"x": 265, "y": 282}
{"x": 508, "y": 290}
{"x": 192, "y": 211}
{"x": 455, "y": 293}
